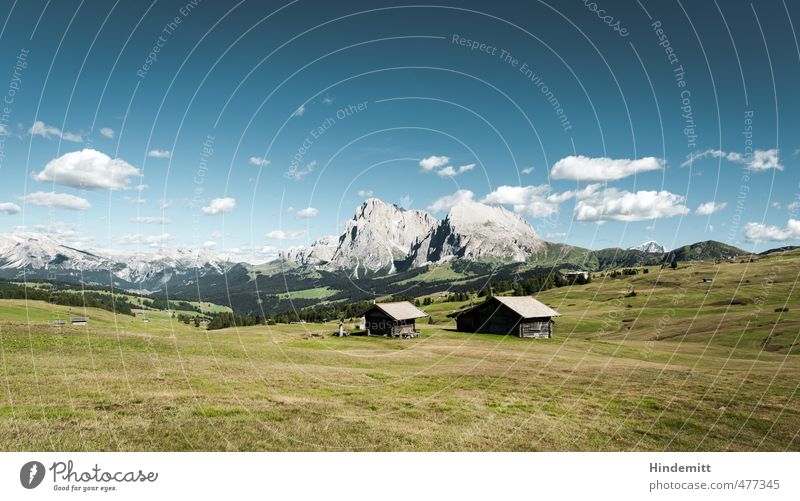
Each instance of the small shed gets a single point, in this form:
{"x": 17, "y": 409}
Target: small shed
{"x": 392, "y": 319}
{"x": 79, "y": 320}
{"x": 521, "y": 316}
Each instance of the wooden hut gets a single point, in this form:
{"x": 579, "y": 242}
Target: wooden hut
{"x": 521, "y": 316}
{"x": 392, "y": 319}
{"x": 79, "y": 320}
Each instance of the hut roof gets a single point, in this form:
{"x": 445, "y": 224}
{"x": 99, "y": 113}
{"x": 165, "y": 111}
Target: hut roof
{"x": 524, "y": 306}
{"x": 401, "y": 310}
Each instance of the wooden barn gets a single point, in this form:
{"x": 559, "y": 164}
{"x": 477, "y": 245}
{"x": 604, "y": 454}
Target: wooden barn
{"x": 392, "y": 319}
{"x": 521, "y": 316}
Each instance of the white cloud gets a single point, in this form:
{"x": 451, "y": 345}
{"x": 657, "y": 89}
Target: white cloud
{"x": 297, "y": 174}
{"x": 88, "y": 169}
{"x": 150, "y": 220}
{"x": 433, "y": 162}
{"x": 758, "y": 232}
{"x": 56, "y": 200}
{"x": 617, "y": 205}
{"x": 259, "y": 161}
{"x": 285, "y": 235}
{"x": 107, "y": 132}
{"x": 530, "y": 200}
{"x": 216, "y": 234}
{"x": 39, "y": 128}
{"x": 450, "y": 171}
{"x": 527, "y": 170}
{"x": 364, "y": 193}
{"x": 765, "y": 159}
{"x": 137, "y": 200}
{"x": 708, "y": 208}
{"x": 759, "y": 160}
{"x": 3, "y": 130}
{"x": 299, "y": 112}
{"x": 582, "y": 168}
{"x": 163, "y": 204}
{"x": 327, "y": 100}
{"x": 141, "y": 187}
{"x": 9, "y": 208}
{"x": 446, "y": 202}
{"x": 209, "y": 244}
{"x": 219, "y": 206}
{"x": 151, "y": 240}
{"x": 577, "y": 194}
{"x": 159, "y": 154}
{"x": 308, "y": 212}
{"x": 406, "y": 201}
{"x": 776, "y": 205}
{"x": 794, "y": 206}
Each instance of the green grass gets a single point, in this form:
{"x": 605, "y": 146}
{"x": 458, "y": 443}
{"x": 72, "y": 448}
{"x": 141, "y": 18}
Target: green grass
{"x": 317, "y": 293}
{"x": 680, "y": 369}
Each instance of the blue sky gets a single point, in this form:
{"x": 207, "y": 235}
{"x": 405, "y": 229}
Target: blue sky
{"x": 262, "y": 125}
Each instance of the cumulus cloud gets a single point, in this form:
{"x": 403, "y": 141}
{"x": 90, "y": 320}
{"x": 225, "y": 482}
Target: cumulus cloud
{"x": 758, "y": 232}
{"x": 150, "y": 220}
{"x": 219, "y": 206}
{"x": 582, "y": 168}
{"x": 259, "y": 161}
{"x": 530, "y": 200}
{"x": 285, "y": 235}
{"x": 209, "y": 244}
{"x": 708, "y": 208}
{"x": 159, "y": 154}
{"x": 364, "y": 193}
{"x": 40, "y": 128}
{"x": 794, "y": 206}
{"x": 296, "y": 174}
{"x": 527, "y": 170}
{"x": 433, "y": 162}
{"x": 308, "y": 212}
{"x": 88, "y": 169}
{"x": 759, "y": 160}
{"x": 151, "y": 240}
{"x": 107, "y": 132}
{"x": 451, "y": 171}
{"x": 617, "y": 205}
{"x": 446, "y": 202}
{"x": 9, "y": 208}
{"x": 56, "y": 200}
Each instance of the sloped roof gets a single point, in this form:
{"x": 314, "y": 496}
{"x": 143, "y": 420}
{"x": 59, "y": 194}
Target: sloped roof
{"x": 524, "y": 306}
{"x": 401, "y": 310}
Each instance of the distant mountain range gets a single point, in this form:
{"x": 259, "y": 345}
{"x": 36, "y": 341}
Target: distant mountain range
{"x": 384, "y": 250}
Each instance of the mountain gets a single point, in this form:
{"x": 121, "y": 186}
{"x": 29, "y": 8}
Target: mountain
{"x": 706, "y": 250}
{"x": 474, "y": 231}
{"x": 378, "y": 236}
{"x": 42, "y": 256}
{"x": 651, "y": 247}
{"x": 319, "y": 253}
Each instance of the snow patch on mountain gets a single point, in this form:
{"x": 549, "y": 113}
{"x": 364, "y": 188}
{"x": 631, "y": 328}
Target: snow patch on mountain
{"x": 651, "y": 246}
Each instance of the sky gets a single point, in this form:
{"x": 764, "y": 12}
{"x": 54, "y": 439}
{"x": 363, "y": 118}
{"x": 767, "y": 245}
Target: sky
{"x": 251, "y": 127}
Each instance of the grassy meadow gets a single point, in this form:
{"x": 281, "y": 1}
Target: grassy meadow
{"x": 649, "y": 362}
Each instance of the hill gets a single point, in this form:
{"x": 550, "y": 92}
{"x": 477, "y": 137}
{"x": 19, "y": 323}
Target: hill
{"x": 681, "y": 364}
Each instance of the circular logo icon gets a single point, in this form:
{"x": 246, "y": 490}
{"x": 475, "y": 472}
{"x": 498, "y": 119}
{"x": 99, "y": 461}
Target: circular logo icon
{"x": 31, "y": 474}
